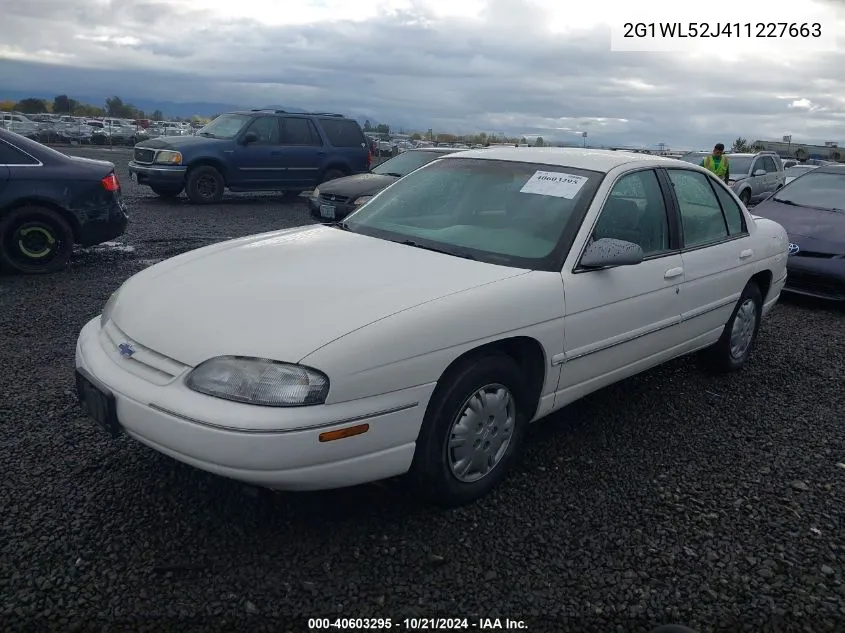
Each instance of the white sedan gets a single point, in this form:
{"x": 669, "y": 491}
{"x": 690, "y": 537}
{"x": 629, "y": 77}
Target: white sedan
{"x": 477, "y": 294}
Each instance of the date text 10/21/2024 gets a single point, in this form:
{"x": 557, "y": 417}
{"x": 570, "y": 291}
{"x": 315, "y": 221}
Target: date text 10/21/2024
{"x": 416, "y": 624}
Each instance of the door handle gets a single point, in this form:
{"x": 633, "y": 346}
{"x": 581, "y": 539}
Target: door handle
{"x": 673, "y": 272}
{"x": 746, "y": 253}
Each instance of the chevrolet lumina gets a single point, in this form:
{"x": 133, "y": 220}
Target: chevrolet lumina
{"x": 479, "y": 293}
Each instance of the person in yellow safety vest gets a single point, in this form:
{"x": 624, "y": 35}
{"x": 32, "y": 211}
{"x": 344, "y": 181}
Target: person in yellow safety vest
{"x": 717, "y": 163}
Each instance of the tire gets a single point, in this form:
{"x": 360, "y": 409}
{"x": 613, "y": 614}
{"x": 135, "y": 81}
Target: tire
{"x": 745, "y": 197}
{"x": 432, "y": 475}
{"x": 332, "y": 174}
{"x": 164, "y": 192}
{"x": 35, "y": 240}
{"x": 205, "y": 185}
{"x": 727, "y": 356}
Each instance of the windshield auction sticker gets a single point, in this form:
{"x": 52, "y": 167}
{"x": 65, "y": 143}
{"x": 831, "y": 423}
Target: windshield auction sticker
{"x": 552, "y": 183}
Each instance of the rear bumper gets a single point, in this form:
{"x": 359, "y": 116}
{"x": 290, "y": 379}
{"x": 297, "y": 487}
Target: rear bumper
{"x": 158, "y": 175}
{"x": 113, "y": 224}
{"x": 816, "y": 277}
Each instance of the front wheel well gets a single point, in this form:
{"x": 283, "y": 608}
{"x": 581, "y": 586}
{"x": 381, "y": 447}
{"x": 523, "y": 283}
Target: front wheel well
{"x": 210, "y": 162}
{"x": 763, "y": 281}
{"x": 526, "y": 352}
{"x": 67, "y": 216}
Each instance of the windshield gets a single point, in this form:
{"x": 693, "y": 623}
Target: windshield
{"x": 224, "y": 126}
{"x": 797, "y": 170}
{"x": 516, "y": 214}
{"x": 404, "y": 164}
{"x": 739, "y": 165}
{"x": 814, "y": 189}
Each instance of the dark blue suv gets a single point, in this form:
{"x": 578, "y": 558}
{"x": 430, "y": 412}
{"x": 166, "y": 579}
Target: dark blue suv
{"x": 256, "y": 150}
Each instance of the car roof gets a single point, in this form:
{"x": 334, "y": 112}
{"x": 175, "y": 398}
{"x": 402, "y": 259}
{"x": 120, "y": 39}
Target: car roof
{"x": 600, "y": 160}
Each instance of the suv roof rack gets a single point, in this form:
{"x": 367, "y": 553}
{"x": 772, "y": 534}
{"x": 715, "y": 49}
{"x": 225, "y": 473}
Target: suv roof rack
{"x": 268, "y": 110}
{"x": 326, "y": 114}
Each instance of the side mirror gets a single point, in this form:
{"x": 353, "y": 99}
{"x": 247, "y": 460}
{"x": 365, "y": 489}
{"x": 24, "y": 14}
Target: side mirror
{"x": 610, "y": 252}
{"x": 250, "y": 137}
{"x": 760, "y": 172}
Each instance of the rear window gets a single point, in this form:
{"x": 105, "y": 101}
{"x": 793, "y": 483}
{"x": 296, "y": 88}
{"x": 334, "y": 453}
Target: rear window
{"x": 10, "y": 155}
{"x": 343, "y": 132}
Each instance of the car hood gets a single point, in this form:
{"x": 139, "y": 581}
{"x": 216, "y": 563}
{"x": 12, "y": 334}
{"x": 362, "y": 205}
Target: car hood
{"x": 179, "y": 142}
{"x": 825, "y": 228}
{"x": 357, "y": 185}
{"x": 285, "y": 294}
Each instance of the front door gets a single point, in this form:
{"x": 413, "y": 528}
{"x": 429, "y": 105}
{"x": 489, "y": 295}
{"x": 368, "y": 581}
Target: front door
{"x": 622, "y": 319}
{"x": 258, "y": 165}
{"x": 716, "y": 253}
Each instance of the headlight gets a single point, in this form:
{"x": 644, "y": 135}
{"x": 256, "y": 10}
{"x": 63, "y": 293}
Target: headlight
{"x": 168, "y": 157}
{"x": 315, "y": 193}
{"x": 105, "y": 317}
{"x": 259, "y": 381}
{"x": 362, "y": 200}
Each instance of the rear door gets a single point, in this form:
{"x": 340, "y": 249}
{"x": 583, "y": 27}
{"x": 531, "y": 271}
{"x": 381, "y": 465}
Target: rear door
{"x": 303, "y": 152}
{"x": 774, "y": 176}
{"x": 347, "y": 142}
{"x": 716, "y": 252}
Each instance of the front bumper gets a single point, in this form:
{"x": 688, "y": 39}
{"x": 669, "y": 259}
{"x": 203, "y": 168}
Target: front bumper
{"x": 158, "y": 175}
{"x": 823, "y": 278}
{"x": 266, "y": 446}
{"x": 341, "y": 209}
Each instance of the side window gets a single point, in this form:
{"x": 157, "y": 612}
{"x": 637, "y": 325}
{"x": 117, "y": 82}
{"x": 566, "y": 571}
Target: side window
{"x": 343, "y": 132}
{"x": 769, "y": 165}
{"x": 701, "y": 214}
{"x": 733, "y": 214}
{"x": 267, "y": 130}
{"x": 298, "y": 131}
{"x": 758, "y": 164}
{"x": 635, "y": 212}
{"x": 13, "y": 156}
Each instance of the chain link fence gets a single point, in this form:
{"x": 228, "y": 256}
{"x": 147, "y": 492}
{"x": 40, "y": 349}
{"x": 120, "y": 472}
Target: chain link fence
{"x": 108, "y": 132}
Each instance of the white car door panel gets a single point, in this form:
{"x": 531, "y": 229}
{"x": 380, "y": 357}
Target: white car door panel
{"x": 622, "y": 318}
{"x": 717, "y": 254}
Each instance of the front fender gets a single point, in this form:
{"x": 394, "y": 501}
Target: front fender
{"x": 414, "y": 347}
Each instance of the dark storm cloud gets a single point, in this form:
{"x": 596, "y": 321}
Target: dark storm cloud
{"x": 505, "y": 75}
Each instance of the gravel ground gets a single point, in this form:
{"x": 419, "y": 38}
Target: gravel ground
{"x": 716, "y": 502}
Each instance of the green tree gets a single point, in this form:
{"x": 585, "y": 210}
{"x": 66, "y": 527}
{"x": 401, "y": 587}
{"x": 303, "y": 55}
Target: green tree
{"x": 416, "y": 136}
{"x": 383, "y": 128}
{"x": 740, "y": 145}
{"x": 31, "y": 106}
{"x": 62, "y": 104}
{"x": 157, "y": 115}
{"x": 116, "y": 108}
{"x": 539, "y": 142}
{"x": 368, "y": 127}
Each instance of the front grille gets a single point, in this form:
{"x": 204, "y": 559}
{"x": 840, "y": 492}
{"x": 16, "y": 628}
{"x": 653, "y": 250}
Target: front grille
{"x": 144, "y": 155}
{"x": 324, "y": 197}
{"x": 143, "y": 362}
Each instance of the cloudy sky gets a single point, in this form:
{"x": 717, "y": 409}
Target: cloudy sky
{"x": 518, "y": 66}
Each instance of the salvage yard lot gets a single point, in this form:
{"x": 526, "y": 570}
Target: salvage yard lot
{"x": 674, "y": 496}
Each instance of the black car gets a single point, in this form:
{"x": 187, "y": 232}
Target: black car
{"x": 50, "y": 201}
{"x": 812, "y": 210}
{"x": 335, "y": 200}
{"x": 255, "y": 150}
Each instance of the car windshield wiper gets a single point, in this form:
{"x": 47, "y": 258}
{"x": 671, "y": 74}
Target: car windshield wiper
{"x": 436, "y": 250}
{"x": 343, "y": 226}
{"x": 389, "y": 173}
{"x": 782, "y": 201}
{"x": 807, "y": 206}
{"x": 206, "y": 134}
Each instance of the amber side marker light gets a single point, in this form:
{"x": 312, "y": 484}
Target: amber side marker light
{"x": 350, "y": 431}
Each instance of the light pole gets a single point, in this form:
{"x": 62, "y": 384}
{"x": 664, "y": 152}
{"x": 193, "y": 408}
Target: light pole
{"x": 584, "y": 136}
{"x": 788, "y": 140}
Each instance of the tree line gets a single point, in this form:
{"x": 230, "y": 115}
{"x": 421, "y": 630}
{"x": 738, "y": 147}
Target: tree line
{"x": 384, "y": 130}
{"x": 63, "y": 104}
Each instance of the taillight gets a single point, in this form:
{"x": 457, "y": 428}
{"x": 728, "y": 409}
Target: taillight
{"x": 111, "y": 183}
